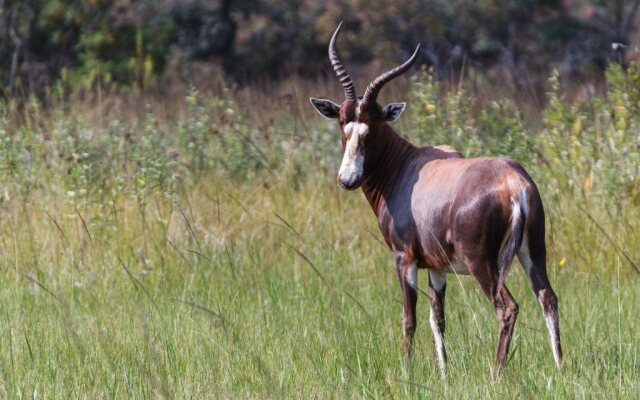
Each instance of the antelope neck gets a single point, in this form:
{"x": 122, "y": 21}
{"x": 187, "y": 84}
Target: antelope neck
{"x": 380, "y": 179}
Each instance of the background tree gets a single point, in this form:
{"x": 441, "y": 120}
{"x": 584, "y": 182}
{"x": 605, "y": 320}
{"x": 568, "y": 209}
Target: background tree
{"x": 511, "y": 42}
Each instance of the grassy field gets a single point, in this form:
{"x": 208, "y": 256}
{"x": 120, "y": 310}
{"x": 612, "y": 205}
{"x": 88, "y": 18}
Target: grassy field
{"x": 201, "y": 249}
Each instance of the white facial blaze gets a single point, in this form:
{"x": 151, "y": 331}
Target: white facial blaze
{"x": 353, "y": 159}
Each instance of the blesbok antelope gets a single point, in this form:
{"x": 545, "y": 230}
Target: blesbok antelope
{"x": 440, "y": 211}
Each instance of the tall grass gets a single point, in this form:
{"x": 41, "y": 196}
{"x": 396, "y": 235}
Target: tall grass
{"x": 202, "y": 249}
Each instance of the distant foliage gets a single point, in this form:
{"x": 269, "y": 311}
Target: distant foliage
{"x": 596, "y": 144}
{"x": 111, "y": 40}
{"x": 513, "y": 43}
{"x": 590, "y": 148}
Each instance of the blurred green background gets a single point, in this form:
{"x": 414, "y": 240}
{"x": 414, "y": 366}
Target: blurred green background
{"x": 515, "y": 43}
{"x": 171, "y": 226}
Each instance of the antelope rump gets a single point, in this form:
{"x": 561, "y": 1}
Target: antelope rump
{"x": 443, "y": 212}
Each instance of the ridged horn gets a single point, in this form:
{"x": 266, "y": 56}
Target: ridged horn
{"x": 341, "y": 72}
{"x": 371, "y": 94}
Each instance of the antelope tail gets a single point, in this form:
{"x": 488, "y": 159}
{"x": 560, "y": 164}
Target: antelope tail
{"x": 514, "y": 236}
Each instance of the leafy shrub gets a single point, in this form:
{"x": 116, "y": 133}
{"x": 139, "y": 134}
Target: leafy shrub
{"x": 589, "y": 147}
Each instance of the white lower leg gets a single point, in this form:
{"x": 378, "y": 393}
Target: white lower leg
{"x": 439, "y": 342}
{"x": 552, "y": 326}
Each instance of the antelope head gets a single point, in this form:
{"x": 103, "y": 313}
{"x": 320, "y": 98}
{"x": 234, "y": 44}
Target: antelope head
{"x": 360, "y": 118}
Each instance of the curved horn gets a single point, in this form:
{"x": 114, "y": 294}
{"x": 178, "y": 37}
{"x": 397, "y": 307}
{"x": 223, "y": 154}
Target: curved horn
{"x": 371, "y": 94}
{"x": 343, "y": 75}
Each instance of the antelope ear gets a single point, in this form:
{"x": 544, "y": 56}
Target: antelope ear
{"x": 326, "y": 108}
{"x": 392, "y": 111}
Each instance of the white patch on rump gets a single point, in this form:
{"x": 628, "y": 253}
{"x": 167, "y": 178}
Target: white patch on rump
{"x": 353, "y": 159}
{"x": 519, "y": 211}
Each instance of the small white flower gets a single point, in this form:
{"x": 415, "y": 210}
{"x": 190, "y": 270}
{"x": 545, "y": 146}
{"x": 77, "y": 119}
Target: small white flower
{"x": 618, "y": 46}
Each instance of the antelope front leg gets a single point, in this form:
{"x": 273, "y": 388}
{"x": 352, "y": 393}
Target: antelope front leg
{"x": 408, "y": 276}
{"x": 437, "y": 286}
